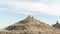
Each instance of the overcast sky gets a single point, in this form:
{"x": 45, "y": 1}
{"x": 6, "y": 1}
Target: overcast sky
{"x": 11, "y": 11}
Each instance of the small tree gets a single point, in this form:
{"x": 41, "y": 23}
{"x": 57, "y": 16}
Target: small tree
{"x": 57, "y": 22}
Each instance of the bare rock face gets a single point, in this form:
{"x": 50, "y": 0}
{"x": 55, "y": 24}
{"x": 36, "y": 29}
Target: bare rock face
{"x": 30, "y": 26}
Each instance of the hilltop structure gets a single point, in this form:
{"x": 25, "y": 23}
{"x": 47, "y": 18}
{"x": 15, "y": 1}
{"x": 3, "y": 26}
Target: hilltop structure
{"x": 30, "y": 26}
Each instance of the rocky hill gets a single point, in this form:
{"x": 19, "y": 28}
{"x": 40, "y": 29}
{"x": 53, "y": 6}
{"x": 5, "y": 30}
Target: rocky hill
{"x": 30, "y": 26}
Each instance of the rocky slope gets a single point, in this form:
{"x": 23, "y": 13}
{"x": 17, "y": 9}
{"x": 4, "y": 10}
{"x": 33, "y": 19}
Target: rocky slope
{"x": 30, "y": 26}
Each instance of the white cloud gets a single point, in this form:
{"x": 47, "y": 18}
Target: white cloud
{"x": 21, "y": 6}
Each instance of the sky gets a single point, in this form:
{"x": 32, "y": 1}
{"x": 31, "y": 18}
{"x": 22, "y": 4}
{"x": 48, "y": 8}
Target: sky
{"x": 12, "y": 11}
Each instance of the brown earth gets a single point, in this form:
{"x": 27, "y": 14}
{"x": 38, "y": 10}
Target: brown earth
{"x": 30, "y": 26}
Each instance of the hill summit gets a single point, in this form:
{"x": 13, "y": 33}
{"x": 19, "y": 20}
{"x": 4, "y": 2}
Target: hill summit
{"x": 30, "y": 26}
